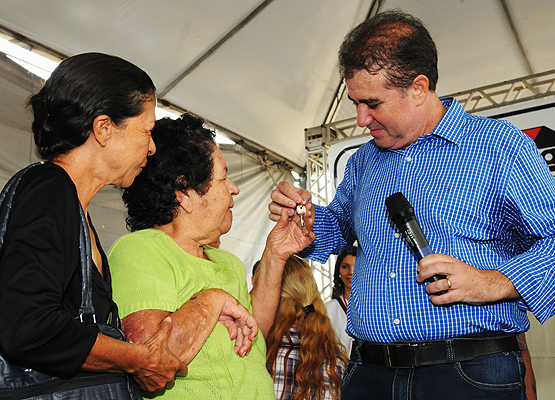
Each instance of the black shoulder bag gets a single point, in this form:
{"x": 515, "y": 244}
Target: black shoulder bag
{"x": 23, "y": 383}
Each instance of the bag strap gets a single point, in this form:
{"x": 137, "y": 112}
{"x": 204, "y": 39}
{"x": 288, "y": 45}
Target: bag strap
{"x": 342, "y": 304}
{"x": 6, "y": 199}
{"x": 86, "y": 311}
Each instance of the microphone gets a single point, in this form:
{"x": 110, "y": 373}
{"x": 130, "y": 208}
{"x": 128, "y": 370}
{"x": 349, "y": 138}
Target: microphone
{"x": 402, "y": 214}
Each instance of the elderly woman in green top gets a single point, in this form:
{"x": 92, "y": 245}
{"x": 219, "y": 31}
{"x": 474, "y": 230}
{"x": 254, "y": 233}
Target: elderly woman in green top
{"x": 179, "y": 204}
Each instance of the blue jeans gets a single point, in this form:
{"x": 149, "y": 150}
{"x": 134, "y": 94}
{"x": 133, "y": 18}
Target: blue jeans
{"x": 491, "y": 377}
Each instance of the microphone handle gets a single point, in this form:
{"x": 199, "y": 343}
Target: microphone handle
{"x": 421, "y": 252}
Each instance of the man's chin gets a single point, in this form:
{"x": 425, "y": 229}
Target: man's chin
{"x": 383, "y": 143}
{"x": 388, "y": 144}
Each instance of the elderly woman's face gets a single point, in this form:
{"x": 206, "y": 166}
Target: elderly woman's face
{"x": 215, "y": 206}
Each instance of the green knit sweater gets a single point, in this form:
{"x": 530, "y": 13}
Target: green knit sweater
{"x": 150, "y": 271}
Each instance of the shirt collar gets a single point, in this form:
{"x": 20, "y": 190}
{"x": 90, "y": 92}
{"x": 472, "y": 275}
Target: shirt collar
{"x": 449, "y": 127}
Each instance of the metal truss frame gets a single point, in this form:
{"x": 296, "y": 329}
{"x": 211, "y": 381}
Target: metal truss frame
{"x": 318, "y": 139}
{"x": 531, "y": 87}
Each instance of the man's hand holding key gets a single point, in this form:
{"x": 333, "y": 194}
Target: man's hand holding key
{"x": 294, "y": 201}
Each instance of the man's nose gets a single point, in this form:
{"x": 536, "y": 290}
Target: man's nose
{"x": 364, "y": 118}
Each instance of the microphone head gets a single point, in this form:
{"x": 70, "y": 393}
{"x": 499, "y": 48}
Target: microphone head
{"x": 399, "y": 208}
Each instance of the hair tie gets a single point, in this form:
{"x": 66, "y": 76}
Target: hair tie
{"x": 308, "y": 309}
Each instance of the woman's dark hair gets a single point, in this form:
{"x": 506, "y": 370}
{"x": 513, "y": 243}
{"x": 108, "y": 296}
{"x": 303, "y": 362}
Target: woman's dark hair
{"x": 338, "y": 285}
{"x": 182, "y": 162}
{"x": 394, "y": 42}
{"x": 81, "y": 88}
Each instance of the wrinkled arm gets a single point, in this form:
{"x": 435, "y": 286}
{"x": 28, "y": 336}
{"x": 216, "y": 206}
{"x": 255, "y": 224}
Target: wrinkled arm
{"x": 266, "y": 291}
{"x": 286, "y": 239}
{"x": 151, "y": 364}
{"x": 193, "y": 322}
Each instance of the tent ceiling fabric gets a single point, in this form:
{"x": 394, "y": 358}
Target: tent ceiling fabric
{"x": 475, "y": 43}
{"x": 277, "y": 75}
{"x": 272, "y": 79}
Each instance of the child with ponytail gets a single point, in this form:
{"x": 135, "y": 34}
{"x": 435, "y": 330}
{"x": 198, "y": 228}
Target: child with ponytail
{"x": 305, "y": 357}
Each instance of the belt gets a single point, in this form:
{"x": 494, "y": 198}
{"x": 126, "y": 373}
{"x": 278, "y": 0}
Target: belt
{"x": 415, "y": 354}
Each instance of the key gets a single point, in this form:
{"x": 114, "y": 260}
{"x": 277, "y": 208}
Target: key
{"x": 301, "y": 210}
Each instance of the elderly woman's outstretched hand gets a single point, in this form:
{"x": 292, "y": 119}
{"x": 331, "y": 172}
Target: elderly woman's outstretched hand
{"x": 288, "y": 236}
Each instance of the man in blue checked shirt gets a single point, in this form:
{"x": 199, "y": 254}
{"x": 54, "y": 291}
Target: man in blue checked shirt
{"x": 485, "y": 200}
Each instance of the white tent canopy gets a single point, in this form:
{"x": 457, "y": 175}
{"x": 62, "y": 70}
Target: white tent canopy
{"x": 276, "y": 73}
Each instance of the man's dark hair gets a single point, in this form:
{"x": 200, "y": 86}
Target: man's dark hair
{"x": 393, "y": 42}
{"x": 182, "y": 162}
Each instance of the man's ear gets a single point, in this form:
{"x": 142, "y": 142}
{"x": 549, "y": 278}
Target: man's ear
{"x": 420, "y": 88}
{"x": 102, "y": 129}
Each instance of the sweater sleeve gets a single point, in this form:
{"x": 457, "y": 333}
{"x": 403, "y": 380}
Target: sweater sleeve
{"x": 40, "y": 277}
{"x": 146, "y": 275}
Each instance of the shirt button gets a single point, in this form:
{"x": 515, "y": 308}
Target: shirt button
{"x": 392, "y": 275}
{"x": 396, "y": 321}
{"x": 397, "y": 234}
{"x": 409, "y": 159}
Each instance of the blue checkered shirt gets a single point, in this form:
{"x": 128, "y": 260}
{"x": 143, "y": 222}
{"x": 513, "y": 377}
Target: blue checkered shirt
{"x": 481, "y": 192}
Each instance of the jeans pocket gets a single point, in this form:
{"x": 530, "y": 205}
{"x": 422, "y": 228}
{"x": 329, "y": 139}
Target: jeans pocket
{"x": 501, "y": 371}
